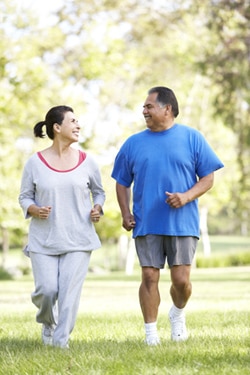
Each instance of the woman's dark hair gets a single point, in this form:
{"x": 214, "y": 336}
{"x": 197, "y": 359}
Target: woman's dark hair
{"x": 54, "y": 115}
{"x": 166, "y": 96}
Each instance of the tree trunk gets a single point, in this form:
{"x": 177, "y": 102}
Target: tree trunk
{"x": 204, "y": 231}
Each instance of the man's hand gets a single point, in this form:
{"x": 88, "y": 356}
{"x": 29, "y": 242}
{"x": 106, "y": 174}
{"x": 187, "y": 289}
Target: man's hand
{"x": 176, "y": 200}
{"x": 128, "y": 222}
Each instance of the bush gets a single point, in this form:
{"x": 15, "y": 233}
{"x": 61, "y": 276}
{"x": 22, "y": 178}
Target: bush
{"x": 5, "y": 275}
{"x": 230, "y": 260}
{"x": 240, "y": 259}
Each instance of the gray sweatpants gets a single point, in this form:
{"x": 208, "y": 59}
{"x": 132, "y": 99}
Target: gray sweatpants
{"x": 58, "y": 285}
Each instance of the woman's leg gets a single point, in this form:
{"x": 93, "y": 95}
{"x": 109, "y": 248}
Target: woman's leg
{"x": 45, "y": 272}
{"x": 73, "y": 268}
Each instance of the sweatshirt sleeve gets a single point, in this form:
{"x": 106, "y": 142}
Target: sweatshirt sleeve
{"x": 27, "y": 191}
{"x": 96, "y": 188}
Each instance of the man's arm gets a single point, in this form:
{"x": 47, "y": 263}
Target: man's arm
{"x": 123, "y": 196}
{"x": 177, "y": 200}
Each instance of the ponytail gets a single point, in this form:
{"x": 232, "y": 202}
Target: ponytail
{"x": 38, "y": 129}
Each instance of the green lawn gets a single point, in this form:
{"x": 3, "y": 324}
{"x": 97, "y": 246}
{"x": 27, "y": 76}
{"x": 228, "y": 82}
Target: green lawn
{"x": 108, "y": 337}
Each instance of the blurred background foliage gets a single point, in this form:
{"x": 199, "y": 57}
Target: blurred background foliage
{"x": 101, "y": 57}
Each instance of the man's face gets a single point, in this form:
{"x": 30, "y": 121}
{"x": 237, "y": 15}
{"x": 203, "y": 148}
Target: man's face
{"x": 154, "y": 114}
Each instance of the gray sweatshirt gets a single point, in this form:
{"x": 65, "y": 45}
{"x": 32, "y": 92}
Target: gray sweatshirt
{"x": 71, "y": 194}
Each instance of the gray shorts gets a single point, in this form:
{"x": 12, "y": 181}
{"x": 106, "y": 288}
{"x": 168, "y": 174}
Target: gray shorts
{"x": 154, "y": 250}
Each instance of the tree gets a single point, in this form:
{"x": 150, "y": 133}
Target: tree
{"x": 25, "y": 94}
{"x": 100, "y": 57}
{"x": 225, "y": 60}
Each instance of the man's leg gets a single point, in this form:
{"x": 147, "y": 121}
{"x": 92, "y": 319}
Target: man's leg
{"x": 181, "y": 251}
{"x": 150, "y": 300}
{"x": 180, "y": 291}
{"x": 181, "y": 287}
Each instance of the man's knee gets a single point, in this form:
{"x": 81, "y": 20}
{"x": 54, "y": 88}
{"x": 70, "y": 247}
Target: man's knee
{"x": 150, "y": 276}
{"x": 180, "y": 276}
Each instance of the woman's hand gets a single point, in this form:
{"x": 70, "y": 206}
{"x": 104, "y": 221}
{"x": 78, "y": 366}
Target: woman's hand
{"x": 44, "y": 212}
{"x": 95, "y": 213}
{"x": 39, "y": 212}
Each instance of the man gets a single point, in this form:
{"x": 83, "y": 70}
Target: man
{"x": 170, "y": 166}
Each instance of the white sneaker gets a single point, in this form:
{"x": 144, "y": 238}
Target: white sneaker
{"x": 178, "y": 327}
{"x": 47, "y": 334}
{"x": 61, "y": 346}
{"x": 152, "y": 341}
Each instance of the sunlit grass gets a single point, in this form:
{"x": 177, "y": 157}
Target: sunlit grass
{"x": 109, "y": 334}
{"x": 112, "y": 344}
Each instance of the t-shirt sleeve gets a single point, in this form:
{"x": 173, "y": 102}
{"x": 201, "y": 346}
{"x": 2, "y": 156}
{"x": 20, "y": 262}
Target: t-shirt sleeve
{"x": 206, "y": 159}
{"x": 122, "y": 171}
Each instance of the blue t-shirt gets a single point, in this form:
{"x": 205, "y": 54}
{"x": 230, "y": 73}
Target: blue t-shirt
{"x": 156, "y": 162}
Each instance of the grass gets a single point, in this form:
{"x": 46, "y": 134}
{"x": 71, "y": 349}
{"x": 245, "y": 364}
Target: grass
{"x": 108, "y": 336}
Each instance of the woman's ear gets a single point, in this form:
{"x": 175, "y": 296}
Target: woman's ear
{"x": 56, "y": 127}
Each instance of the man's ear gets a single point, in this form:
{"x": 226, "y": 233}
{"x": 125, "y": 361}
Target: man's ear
{"x": 168, "y": 109}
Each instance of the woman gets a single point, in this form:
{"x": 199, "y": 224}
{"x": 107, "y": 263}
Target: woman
{"x": 61, "y": 191}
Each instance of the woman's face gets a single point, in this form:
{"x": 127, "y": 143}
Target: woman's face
{"x": 69, "y": 129}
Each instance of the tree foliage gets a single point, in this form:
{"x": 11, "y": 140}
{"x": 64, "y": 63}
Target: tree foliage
{"x": 101, "y": 57}
{"x": 225, "y": 59}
